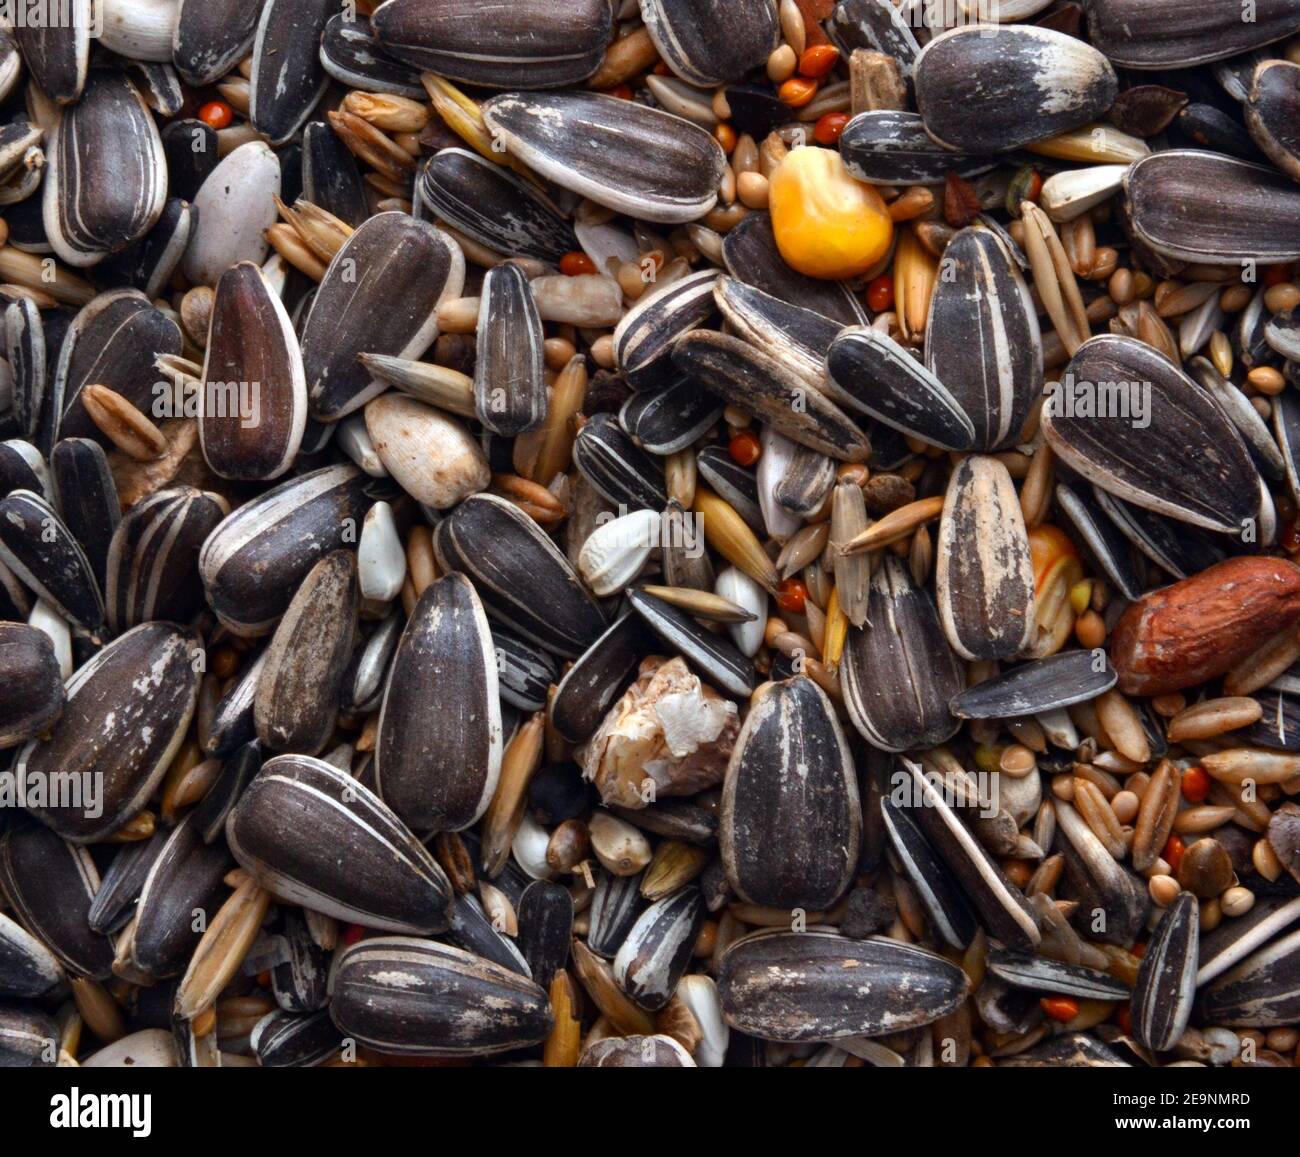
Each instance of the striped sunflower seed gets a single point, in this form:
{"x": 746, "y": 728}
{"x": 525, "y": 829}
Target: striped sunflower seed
{"x": 251, "y": 339}
{"x": 791, "y": 819}
{"x": 983, "y": 572}
{"x": 438, "y": 755}
{"x": 819, "y": 985}
{"x": 129, "y": 709}
{"x": 899, "y": 673}
{"x": 380, "y": 294}
{"x": 405, "y": 995}
{"x": 152, "y": 565}
{"x": 29, "y": 671}
{"x": 523, "y": 581}
{"x": 51, "y": 884}
{"x": 1166, "y": 980}
{"x": 301, "y": 682}
{"x": 627, "y": 156}
{"x": 316, "y": 836}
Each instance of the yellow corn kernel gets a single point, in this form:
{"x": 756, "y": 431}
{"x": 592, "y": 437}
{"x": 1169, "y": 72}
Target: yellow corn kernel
{"x": 827, "y": 224}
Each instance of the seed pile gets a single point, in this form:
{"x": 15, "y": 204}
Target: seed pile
{"x": 651, "y": 534}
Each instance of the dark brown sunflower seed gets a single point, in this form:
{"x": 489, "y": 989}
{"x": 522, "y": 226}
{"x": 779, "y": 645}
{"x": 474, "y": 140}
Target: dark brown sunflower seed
{"x": 317, "y": 837}
{"x": 28, "y": 1038}
{"x": 616, "y": 905}
{"x": 522, "y": 579}
{"x": 643, "y": 340}
{"x": 1113, "y": 902}
{"x": 87, "y": 497}
{"x": 292, "y": 1040}
{"x": 1250, "y": 425}
{"x": 352, "y": 55}
{"x": 114, "y": 342}
{"x": 298, "y": 693}
{"x": 598, "y": 676}
{"x": 984, "y": 575}
{"x": 33, "y": 686}
{"x": 619, "y": 470}
{"x": 128, "y": 710}
{"x": 818, "y": 985}
{"x": 288, "y": 77}
{"x": 746, "y": 377}
{"x": 22, "y": 468}
{"x": 404, "y": 995}
{"x": 119, "y": 889}
{"x": 1166, "y": 979}
{"x": 331, "y": 178}
{"x": 982, "y": 339}
{"x": 494, "y": 206}
{"x": 254, "y": 561}
{"x": 1272, "y": 112}
{"x": 254, "y": 407}
{"x": 472, "y": 930}
{"x": 873, "y": 373}
{"x": 25, "y": 349}
{"x": 1156, "y": 34}
{"x": 734, "y": 483}
{"x": 1042, "y": 685}
{"x": 1233, "y": 940}
{"x": 714, "y": 657}
{"x": 1263, "y": 991}
{"x": 57, "y": 52}
{"x": 627, "y": 156}
{"x": 990, "y": 94}
{"x": 106, "y": 172}
{"x": 938, "y": 891}
{"x": 438, "y": 754}
{"x": 707, "y": 46}
{"x": 27, "y": 967}
{"x": 791, "y": 820}
{"x": 653, "y": 957}
{"x": 380, "y": 294}
{"x": 1189, "y": 205}
{"x": 878, "y": 25}
{"x": 1074, "y": 1050}
{"x": 525, "y": 671}
{"x": 899, "y": 673}
{"x": 39, "y": 548}
{"x": 1176, "y": 549}
{"x": 1175, "y": 452}
{"x": 999, "y": 902}
{"x": 211, "y": 37}
{"x": 510, "y": 395}
{"x": 891, "y": 147}
{"x": 531, "y": 44}
{"x": 807, "y": 481}
{"x": 301, "y": 981}
{"x": 545, "y": 913}
{"x": 51, "y": 884}
{"x": 1042, "y": 974}
{"x": 237, "y": 771}
{"x": 152, "y": 567}
{"x": 667, "y": 420}
{"x": 1108, "y": 546}
{"x": 184, "y": 881}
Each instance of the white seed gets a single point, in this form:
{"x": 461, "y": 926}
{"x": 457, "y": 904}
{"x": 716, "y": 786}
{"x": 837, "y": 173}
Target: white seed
{"x": 739, "y": 588}
{"x": 354, "y": 440}
{"x": 615, "y": 551}
{"x": 381, "y": 561}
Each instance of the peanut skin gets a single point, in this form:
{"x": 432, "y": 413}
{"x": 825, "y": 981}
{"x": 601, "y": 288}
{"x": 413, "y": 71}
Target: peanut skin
{"x": 1202, "y": 627}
